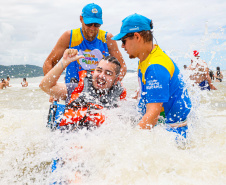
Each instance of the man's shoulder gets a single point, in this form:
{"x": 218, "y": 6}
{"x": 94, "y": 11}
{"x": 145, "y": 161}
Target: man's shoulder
{"x": 159, "y": 61}
{"x": 65, "y": 38}
{"x": 73, "y": 31}
{"x": 66, "y": 33}
{"x": 158, "y": 56}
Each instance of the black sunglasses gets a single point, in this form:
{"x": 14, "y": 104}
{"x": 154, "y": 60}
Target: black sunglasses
{"x": 126, "y": 36}
{"x": 96, "y": 25}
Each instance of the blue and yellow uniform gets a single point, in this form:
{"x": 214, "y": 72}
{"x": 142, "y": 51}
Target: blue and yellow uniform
{"x": 93, "y": 51}
{"x": 160, "y": 82}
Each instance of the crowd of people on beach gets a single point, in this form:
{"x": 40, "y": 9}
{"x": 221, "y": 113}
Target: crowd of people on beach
{"x": 5, "y": 83}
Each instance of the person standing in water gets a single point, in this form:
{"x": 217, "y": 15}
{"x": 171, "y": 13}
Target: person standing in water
{"x": 219, "y": 75}
{"x": 24, "y": 83}
{"x": 7, "y": 81}
{"x": 161, "y": 88}
{"x": 90, "y": 41}
{"x": 211, "y": 75}
{"x": 2, "y": 84}
{"x": 199, "y": 73}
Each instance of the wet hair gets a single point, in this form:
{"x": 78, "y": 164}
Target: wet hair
{"x": 147, "y": 35}
{"x": 115, "y": 61}
{"x": 218, "y": 68}
{"x": 24, "y": 79}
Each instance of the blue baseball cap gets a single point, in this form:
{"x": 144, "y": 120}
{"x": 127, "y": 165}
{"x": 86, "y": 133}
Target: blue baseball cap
{"x": 92, "y": 13}
{"x": 133, "y": 23}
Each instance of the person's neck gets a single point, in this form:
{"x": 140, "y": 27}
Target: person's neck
{"x": 89, "y": 38}
{"x": 146, "y": 49}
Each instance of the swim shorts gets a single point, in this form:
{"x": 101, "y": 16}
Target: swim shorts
{"x": 204, "y": 85}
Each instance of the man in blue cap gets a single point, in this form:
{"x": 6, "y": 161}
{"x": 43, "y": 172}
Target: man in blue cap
{"x": 162, "y": 91}
{"x": 89, "y": 40}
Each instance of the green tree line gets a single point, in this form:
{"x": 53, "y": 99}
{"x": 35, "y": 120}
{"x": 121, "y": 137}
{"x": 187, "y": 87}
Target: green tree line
{"x": 20, "y": 71}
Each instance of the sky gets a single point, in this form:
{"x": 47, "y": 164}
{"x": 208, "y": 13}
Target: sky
{"x": 30, "y": 29}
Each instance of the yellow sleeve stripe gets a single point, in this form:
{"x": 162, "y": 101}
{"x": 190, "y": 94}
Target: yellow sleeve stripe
{"x": 101, "y": 36}
{"x": 76, "y": 38}
{"x": 157, "y": 57}
{"x": 167, "y": 63}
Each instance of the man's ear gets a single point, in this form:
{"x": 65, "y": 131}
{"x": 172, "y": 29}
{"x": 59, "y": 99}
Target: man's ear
{"x": 81, "y": 18}
{"x": 137, "y": 35}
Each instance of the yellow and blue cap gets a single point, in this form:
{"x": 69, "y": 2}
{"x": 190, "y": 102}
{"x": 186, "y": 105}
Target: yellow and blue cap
{"x": 92, "y": 13}
{"x": 133, "y": 23}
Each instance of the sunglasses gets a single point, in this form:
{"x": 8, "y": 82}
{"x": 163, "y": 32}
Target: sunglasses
{"x": 123, "y": 39}
{"x": 96, "y": 25}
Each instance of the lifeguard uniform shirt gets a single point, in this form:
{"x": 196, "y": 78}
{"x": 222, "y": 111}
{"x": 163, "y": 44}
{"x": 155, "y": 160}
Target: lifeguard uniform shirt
{"x": 93, "y": 51}
{"x": 160, "y": 82}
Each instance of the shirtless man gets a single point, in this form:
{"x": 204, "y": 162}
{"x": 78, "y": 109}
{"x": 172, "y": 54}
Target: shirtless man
{"x": 200, "y": 73}
{"x": 7, "y": 81}
{"x": 2, "y": 84}
{"x": 24, "y": 83}
{"x": 219, "y": 75}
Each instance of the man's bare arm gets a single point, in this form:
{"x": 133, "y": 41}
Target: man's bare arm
{"x": 150, "y": 118}
{"x": 114, "y": 51}
{"x": 49, "y": 82}
{"x": 57, "y": 52}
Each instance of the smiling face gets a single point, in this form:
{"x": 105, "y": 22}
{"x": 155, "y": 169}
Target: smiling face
{"x": 104, "y": 76}
{"x": 89, "y": 32}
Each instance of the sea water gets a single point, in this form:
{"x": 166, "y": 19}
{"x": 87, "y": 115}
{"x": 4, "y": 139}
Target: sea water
{"x": 117, "y": 152}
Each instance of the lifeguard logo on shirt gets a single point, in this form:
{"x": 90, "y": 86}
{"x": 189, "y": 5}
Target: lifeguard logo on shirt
{"x": 153, "y": 84}
{"x": 92, "y": 58}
